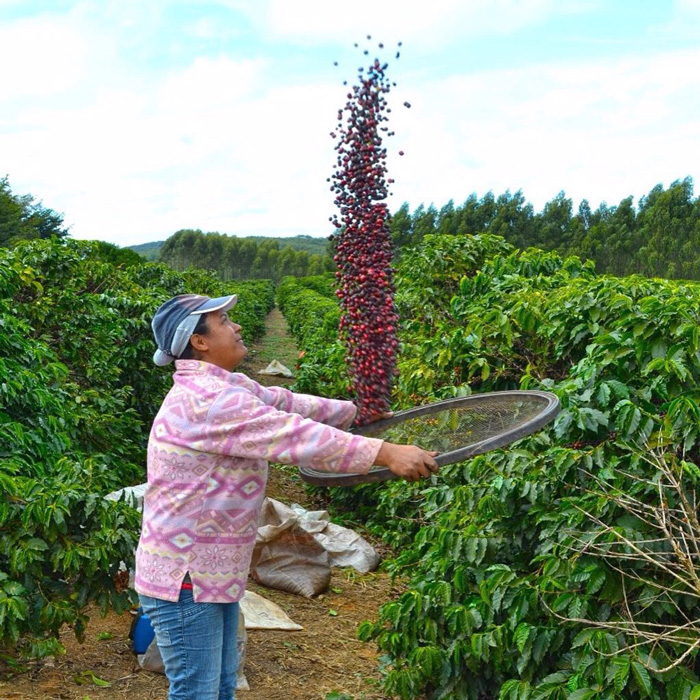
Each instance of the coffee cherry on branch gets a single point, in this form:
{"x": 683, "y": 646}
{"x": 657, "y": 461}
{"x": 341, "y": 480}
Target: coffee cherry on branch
{"x": 363, "y": 244}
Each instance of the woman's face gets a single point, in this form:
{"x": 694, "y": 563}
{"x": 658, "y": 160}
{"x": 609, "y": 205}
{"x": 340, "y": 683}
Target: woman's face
{"x": 222, "y": 345}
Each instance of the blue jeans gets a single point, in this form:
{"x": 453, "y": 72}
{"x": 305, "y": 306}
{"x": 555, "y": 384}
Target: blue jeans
{"x": 198, "y": 644}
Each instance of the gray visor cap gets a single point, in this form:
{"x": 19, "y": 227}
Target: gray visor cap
{"x": 175, "y": 321}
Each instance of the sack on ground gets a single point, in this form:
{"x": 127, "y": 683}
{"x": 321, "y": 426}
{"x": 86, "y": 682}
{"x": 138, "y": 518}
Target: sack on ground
{"x": 287, "y": 557}
{"x": 276, "y": 368}
{"x": 263, "y": 614}
{"x": 344, "y": 546}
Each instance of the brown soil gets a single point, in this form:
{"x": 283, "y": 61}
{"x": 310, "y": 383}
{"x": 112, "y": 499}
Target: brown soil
{"x": 324, "y": 658}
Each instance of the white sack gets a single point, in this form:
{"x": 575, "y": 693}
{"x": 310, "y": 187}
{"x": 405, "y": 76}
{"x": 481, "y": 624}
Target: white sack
{"x": 263, "y": 614}
{"x": 277, "y": 369}
{"x": 133, "y": 495}
{"x": 344, "y": 546}
{"x": 286, "y": 557}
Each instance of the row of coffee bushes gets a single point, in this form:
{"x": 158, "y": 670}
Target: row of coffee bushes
{"x": 78, "y": 390}
{"x": 312, "y": 313}
{"x": 565, "y": 566}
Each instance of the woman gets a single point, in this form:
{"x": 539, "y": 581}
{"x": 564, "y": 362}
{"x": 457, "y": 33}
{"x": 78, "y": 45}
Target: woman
{"x": 207, "y": 468}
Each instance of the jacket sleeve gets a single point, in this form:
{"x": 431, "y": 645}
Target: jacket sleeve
{"x": 241, "y": 424}
{"x": 329, "y": 411}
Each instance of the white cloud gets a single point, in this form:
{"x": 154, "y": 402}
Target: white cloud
{"x": 210, "y": 148}
{"x": 688, "y": 5}
{"x": 411, "y": 21}
{"x": 209, "y": 85}
{"x": 223, "y": 144}
{"x": 601, "y": 131}
{"x": 40, "y": 56}
{"x": 117, "y": 15}
{"x": 683, "y": 23}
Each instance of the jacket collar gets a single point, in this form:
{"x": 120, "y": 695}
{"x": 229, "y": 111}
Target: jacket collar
{"x": 199, "y": 367}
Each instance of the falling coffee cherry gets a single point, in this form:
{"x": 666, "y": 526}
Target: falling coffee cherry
{"x": 363, "y": 244}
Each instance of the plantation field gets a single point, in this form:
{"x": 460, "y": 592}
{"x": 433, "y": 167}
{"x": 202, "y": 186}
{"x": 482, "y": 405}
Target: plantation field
{"x": 104, "y": 666}
{"x": 562, "y": 568}
{"x": 566, "y": 566}
{"x": 310, "y": 244}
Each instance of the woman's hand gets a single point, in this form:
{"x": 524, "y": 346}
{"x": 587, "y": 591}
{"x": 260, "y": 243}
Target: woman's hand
{"x": 381, "y": 416}
{"x": 376, "y": 417}
{"x": 407, "y": 461}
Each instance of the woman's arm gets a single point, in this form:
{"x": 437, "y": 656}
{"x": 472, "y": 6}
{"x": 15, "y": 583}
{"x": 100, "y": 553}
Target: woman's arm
{"x": 239, "y": 424}
{"x": 329, "y": 411}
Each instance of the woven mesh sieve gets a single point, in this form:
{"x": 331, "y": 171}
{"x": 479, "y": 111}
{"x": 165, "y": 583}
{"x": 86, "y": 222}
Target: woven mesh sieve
{"x": 457, "y": 429}
{"x": 449, "y": 429}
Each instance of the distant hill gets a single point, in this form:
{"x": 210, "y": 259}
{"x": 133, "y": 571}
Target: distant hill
{"x": 310, "y": 244}
{"x": 147, "y": 250}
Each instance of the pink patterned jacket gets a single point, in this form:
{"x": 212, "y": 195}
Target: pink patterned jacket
{"x": 207, "y": 469}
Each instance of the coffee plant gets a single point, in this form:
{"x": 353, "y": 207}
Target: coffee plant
{"x": 566, "y": 565}
{"x": 78, "y": 391}
{"x": 363, "y": 243}
{"x": 312, "y": 313}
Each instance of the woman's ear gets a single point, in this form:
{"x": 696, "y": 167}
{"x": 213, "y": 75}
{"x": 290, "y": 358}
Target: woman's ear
{"x": 199, "y": 342}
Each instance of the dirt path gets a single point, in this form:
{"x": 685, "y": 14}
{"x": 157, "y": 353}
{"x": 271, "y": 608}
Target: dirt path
{"x": 276, "y": 344}
{"x": 324, "y": 660}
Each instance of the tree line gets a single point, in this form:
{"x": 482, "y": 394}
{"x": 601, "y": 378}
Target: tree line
{"x": 659, "y": 237}
{"x": 235, "y": 258}
{"x": 23, "y": 218}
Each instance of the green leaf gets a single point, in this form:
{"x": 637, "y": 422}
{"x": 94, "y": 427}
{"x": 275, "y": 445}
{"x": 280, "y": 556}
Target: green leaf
{"x": 522, "y": 634}
{"x": 581, "y": 694}
{"x": 89, "y": 677}
{"x": 622, "y": 665}
{"x": 641, "y": 675}
{"x": 603, "y": 395}
{"x": 36, "y": 544}
{"x": 596, "y": 581}
{"x": 100, "y": 682}
{"x": 583, "y": 637}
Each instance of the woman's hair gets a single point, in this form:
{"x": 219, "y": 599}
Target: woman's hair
{"x": 189, "y": 353}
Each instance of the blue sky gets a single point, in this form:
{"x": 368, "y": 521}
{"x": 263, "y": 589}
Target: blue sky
{"x": 135, "y": 119}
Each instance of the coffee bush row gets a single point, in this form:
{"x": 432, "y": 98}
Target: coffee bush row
{"x": 313, "y": 314}
{"x": 544, "y": 571}
{"x": 78, "y": 391}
